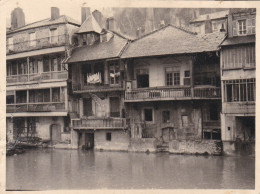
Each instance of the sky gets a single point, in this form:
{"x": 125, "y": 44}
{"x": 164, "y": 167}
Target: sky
{"x": 36, "y": 10}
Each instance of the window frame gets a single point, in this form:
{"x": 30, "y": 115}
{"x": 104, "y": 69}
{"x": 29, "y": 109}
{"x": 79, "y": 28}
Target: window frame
{"x": 143, "y": 114}
{"x": 243, "y": 25}
{"x": 172, "y": 73}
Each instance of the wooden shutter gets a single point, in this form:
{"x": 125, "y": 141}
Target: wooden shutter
{"x": 234, "y": 26}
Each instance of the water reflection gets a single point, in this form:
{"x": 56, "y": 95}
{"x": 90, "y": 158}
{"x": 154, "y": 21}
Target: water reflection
{"x": 76, "y": 169}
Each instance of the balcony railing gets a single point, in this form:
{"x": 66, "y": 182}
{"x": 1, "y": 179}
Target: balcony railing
{"x": 99, "y": 123}
{"x": 36, "y": 107}
{"x": 77, "y": 87}
{"x": 37, "y": 77}
{"x": 181, "y": 93}
{"x": 38, "y": 43}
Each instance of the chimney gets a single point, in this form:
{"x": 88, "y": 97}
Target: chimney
{"x": 208, "y": 25}
{"x": 162, "y": 23}
{"x": 111, "y": 24}
{"x": 55, "y": 13}
{"x": 17, "y": 18}
{"x": 229, "y": 25}
{"x": 85, "y": 12}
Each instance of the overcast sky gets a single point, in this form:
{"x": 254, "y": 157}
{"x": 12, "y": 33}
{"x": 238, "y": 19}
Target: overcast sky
{"x": 36, "y": 10}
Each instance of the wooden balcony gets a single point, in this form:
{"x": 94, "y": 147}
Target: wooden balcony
{"x": 40, "y": 43}
{"x": 165, "y": 93}
{"x": 81, "y": 88}
{"x": 99, "y": 123}
{"x": 36, "y": 107}
{"x": 55, "y": 75}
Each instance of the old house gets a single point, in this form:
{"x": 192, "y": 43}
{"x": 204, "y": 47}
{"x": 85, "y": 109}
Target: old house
{"x": 216, "y": 21}
{"x": 238, "y": 66}
{"x": 36, "y": 77}
{"x": 97, "y": 76}
{"x": 173, "y": 96}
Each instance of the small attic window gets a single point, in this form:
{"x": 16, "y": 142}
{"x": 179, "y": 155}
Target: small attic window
{"x": 103, "y": 37}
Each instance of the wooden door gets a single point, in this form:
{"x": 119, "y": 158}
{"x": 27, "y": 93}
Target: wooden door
{"x": 55, "y": 133}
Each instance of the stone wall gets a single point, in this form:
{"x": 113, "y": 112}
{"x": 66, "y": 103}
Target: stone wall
{"x": 142, "y": 145}
{"x": 210, "y": 147}
{"x": 119, "y": 140}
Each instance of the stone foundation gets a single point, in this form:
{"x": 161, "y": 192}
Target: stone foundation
{"x": 142, "y": 145}
{"x": 210, "y": 147}
{"x": 238, "y": 148}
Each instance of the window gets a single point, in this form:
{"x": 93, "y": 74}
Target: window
{"x": 172, "y": 76}
{"x": 184, "y": 120}
{"x": 22, "y": 67}
{"x": 10, "y": 43}
{"x": 10, "y": 99}
{"x": 114, "y": 107}
{"x": 21, "y": 96}
{"x": 87, "y": 106}
{"x": 54, "y": 36}
{"x": 33, "y": 66}
{"x": 166, "y": 116}
{"x": 239, "y": 90}
{"x": 142, "y": 76}
{"x": 186, "y": 79}
{"x": 241, "y": 27}
{"x": 55, "y": 94}
{"x": 46, "y": 65}
{"x": 148, "y": 115}
{"x": 251, "y": 26}
{"x": 108, "y": 136}
{"x": 114, "y": 73}
{"x": 42, "y": 95}
{"x": 213, "y": 112}
{"x": 32, "y": 39}
{"x": 55, "y": 64}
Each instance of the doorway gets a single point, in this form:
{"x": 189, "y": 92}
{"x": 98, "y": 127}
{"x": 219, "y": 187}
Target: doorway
{"x": 86, "y": 140}
{"x": 55, "y": 133}
{"x": 168, "y": 134}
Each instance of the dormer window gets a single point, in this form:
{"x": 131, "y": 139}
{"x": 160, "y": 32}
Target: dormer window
{"x": 241, "y": 27}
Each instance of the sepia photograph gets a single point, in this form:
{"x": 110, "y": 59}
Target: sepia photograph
{"x": 101, "y": 97}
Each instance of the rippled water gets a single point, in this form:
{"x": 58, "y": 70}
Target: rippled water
{"x": 76, "y": 169}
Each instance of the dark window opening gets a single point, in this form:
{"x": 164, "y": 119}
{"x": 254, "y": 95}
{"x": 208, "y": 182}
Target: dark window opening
{"x": 142, "y": 76}
{"x": 56, "y": 94}
{"x": 87, "y": 107}
{"x": 148, "y": 115}
{"x": 114, "y": 73}
{"x": 108, "y": 136}
{"x": 114, "y": 107}
{"x": 166, "y": 116}
{"x": 10, "y": 99}
{"x": 214, "y": 112}
{"x": 21, "y": 96}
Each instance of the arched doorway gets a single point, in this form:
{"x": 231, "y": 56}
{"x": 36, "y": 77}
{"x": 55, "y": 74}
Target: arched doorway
{"x": 55, "y": 133}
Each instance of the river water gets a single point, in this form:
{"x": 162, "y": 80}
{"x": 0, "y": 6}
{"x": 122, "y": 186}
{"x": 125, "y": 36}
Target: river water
{"x": 76, "y": 169}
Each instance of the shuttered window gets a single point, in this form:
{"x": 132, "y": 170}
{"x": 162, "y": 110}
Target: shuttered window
{"x": 238, "y": 57}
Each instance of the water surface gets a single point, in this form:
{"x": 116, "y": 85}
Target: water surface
{"x": 77, "y": 169}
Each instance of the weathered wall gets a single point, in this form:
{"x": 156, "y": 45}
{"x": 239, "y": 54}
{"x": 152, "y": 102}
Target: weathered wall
{"x": 157, "y": 68}
{"x": 196, "y": 147}
{"x": 9, "y": 130}
{"x": 238, "y": 148}
{"x": 142, "y": 145}
{"x": 119, "y": 140}
{"x": 42, "y": 35}
{"x": 177, "y": 110}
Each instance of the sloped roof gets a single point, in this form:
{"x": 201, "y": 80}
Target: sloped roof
{"x": 239, "y": 40}
{"x": 47, "y": 22}
{"x": 105, "y": 50}
{"x": 90, "y": 25}
{"x": 173, "y": 40}
{"x": 212, "y": 16}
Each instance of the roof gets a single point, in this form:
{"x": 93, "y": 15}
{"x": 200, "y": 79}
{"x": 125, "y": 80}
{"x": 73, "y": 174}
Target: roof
{"x": 90, "y": 25}
{"x": 212, "y": 16}
{"x": 105, "y": 50}
{"x": 47, "y": 22}
{"x": 239, "y": 40}
{"x": 173, "y": 40}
